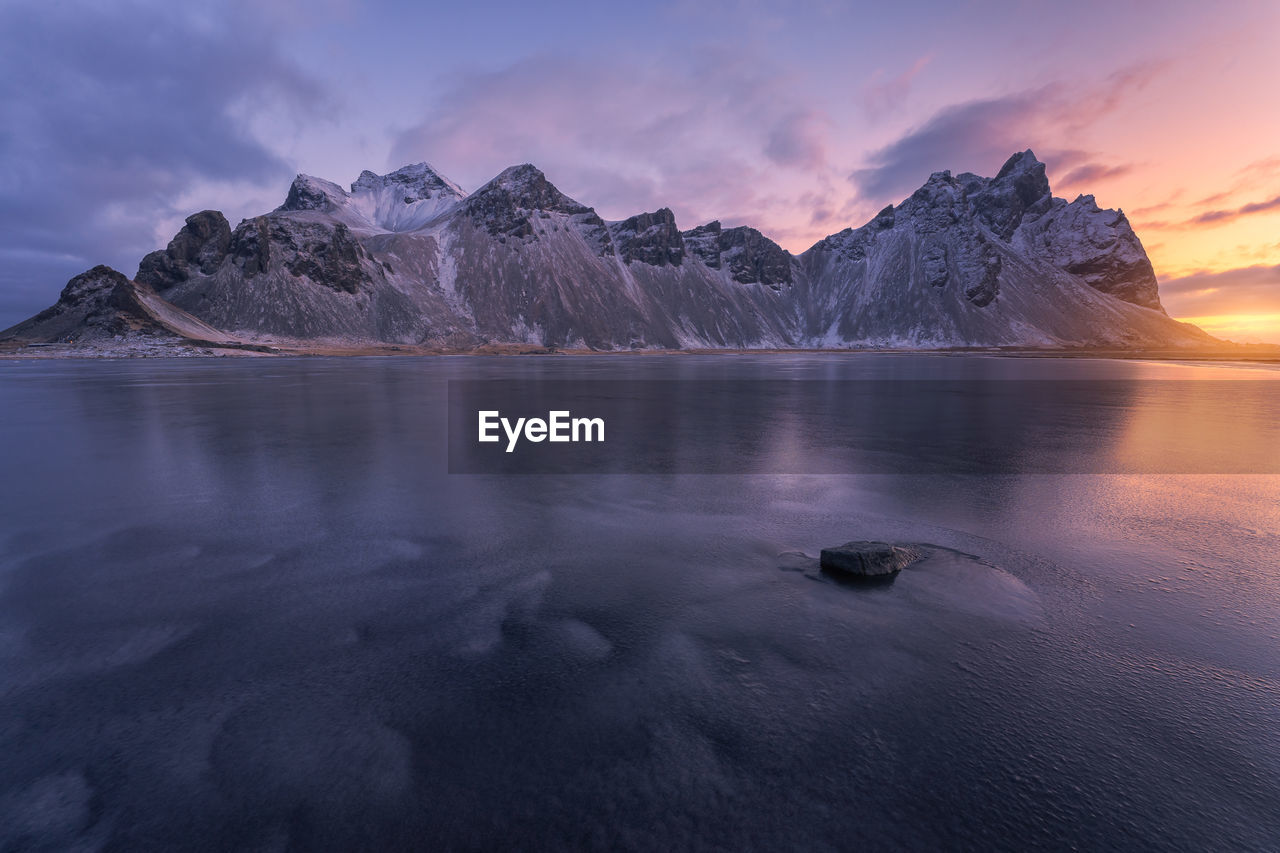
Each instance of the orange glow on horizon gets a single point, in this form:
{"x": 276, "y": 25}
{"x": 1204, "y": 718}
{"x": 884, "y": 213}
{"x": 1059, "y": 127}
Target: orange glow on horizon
{"x": 1241, "y": 328}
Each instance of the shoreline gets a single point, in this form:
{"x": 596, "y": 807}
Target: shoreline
{"x": 22, "y": 351}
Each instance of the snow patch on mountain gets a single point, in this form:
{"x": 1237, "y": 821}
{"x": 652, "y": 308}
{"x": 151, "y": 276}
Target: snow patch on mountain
{"x": 409, "y": 258}
{"x": 404, "y": 200}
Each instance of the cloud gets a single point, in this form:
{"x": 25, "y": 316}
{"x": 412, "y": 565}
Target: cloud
{"x": 799, "y": 139}
{"x": 882, "y": 96}
{"x": 109, "y": 115}
{"x": 1244, "y": 290}
{"x": 1263, "y": 169}
{"x": 1090, "y": 174}
{"x": 970, "y": 135}
{"x": 1241, "y": 304}
{"x": 1214, "y": 217}
{"x": 980, "y": 135}
{"x": 719, "y": 135}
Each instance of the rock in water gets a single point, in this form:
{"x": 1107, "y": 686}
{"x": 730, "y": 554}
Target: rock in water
{"x": 869, "y": 559}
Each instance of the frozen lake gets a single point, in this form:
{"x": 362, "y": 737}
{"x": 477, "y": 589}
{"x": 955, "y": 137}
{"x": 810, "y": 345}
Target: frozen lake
{"x": 243, "y": 604}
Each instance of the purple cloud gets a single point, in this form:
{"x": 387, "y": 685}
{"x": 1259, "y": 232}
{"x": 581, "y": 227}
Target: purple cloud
{"x": 121, "y": 109}
{"x": 1244, "y": 290}
{"x": 1091, "y": 173}
{"x": 973, "y": 135}
{"x": 799, "y": 139}
{"x": 980, "y": 135}
{"x": 1214, "y": 217}
{"x": 881, "y": 96}
{"x": 705, "y": 136}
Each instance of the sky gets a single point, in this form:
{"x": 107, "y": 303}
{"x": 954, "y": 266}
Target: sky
{"x": 800, "y": 118}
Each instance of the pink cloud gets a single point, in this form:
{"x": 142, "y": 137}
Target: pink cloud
{"x": 718, "y": 137}
{"x": 883, "y": 95}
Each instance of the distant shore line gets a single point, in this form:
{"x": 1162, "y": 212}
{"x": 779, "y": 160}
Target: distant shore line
{"x": 21, "y": 350}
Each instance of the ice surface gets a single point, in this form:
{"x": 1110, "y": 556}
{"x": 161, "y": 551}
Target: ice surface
{"x": 245, "y": 606}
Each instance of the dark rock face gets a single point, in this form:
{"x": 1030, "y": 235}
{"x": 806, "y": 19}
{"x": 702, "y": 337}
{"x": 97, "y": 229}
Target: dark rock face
{"x": 308, "y": 193}
{"x": 868, "y": 559}
{"x": 200, "y": 246}
{"x": 1097, "y": 245}
{"x": 849, "y": 244}
{"x": 96, "y": 304}
{"x": 1020, "y": 188}
{"x": 326, "y": 253}
{"x": 984, "y": 275}
{"x": 95, "y": 284}
{"x": 933, "y": 208}
{"x": 250, "y": 247}
{"x": 934, "y": 242}
{"x": 1131, "y": 280}
{"x": 649, "y": 238}
{"x": 703, "y": 243}
{"x": 504, "y": 206}
{"x": 328, "y": 258}
{"x": 934, "y": 260}
{"x": 749, "y": 256}
{"x": 753, "y": 257}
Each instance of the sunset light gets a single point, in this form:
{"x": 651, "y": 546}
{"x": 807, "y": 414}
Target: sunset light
{"x": 675, "y": 426}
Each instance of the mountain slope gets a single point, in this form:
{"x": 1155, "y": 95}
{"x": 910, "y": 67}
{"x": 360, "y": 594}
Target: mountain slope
{"x": 409, "y": 258}
{"x": 101, "y": 305}
{"x": 987, "y": 262}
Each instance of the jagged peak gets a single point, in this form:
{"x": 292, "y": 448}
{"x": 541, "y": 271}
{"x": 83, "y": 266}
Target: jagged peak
{"x": 515, "y": 175}
{"x": 1020, "y": 162}
{"x": 1087, "y": 201}
{"x": 308, "y": 192}
{"x": 1019, "y": 190}
{"x": 650, "y": 238}
{"x": 715, "y": 227}
{"x": 421, "y": 178}
{"x": 885, "y": 218}
{"x": 517, "y": 179}
{"x": 524, "y": 187}
{"x": 662, "y": 216}
{"x": 1026, "y": 175}
{"x": 96, "y": 278}
{"x": 712, "y": 227}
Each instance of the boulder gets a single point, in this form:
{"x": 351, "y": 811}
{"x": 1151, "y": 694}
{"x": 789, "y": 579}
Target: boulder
{"x": 868, "y": 559}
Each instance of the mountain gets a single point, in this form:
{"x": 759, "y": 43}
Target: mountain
{"x": 102, "y": 305}
{"x": 409, "y": 258}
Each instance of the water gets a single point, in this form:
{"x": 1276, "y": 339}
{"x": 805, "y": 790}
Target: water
{"x": 244, "y": 605}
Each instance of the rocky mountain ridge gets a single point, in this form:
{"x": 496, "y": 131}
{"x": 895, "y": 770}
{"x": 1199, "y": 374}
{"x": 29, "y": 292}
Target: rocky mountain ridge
{"x": 409, "y": 258}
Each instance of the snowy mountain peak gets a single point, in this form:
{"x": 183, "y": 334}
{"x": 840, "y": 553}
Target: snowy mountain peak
{"x": 418, "y": 180}
{"x": 311, "y": 193}
{"x": 406, "y": 199}
{"x": 505, "y": 203}
{"x": 966, "y": 260}
{"x": 1024, "y": 175}
{"x": 1023, "y": 161}
{"x": 1019, "y": 190}
{"x": 522, "y": 175}
{"x": 527, "y": 187}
